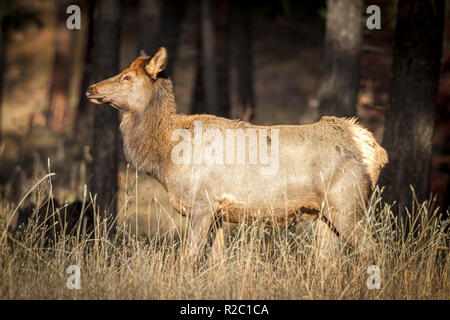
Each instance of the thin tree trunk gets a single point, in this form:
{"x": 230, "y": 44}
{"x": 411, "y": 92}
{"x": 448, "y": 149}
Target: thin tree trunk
{"x": 171, "y": 12}
{"x": 212, "y": 89}
{"x": 105, "y": 149}
{"x": 242, "y": 34}
{"x": 413, "y": 89}
{"x": 3, "y": 42}
{"x": 208, "y": 52}
{"x": 447, "y": 200}
{"x": 198, "y": 104}
{"x": 148, "y": 26}
{"x": 84, "y": 114}
{"x": 338, "y": 93}
{"x": 222, "y": 52}
{"x": 59, "y": 89}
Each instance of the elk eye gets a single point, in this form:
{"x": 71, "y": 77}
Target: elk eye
{"x": 126, "y": 78}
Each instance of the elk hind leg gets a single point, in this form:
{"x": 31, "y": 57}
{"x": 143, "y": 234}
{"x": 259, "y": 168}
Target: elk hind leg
{"x": 198, "y": 231}
{"x": 327, "y": 242}
{"x": 218, "y": 240}
{"x": 345, "y": 214}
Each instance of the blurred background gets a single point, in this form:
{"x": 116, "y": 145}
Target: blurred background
{"x": 266, "y": 61}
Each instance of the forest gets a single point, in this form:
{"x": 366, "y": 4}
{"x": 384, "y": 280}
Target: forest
{"x": 68, "y": 195}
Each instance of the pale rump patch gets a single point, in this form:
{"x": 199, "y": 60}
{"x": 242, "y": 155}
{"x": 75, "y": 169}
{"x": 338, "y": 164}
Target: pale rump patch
{"x": 373, "y": 155}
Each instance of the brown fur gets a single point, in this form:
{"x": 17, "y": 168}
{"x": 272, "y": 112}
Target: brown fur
{"x": 330, "y": 166}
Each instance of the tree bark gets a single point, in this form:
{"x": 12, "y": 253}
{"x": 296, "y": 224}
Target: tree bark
{"x": 208, "y": 46}
{"x": 84, "y": 114}
{"x": 222, "y": 13}
{"x": 171, "y": 12}
{"x": 106, "y": 124}
{"x": 198, "y": 104}
{"x": 212, "y": 90}
{"x": 242, "y": 34}
{"x": 338, "y": 93}
{"x": 148, "y": 26}
{"x": 446, "y": 209}
{"x": 413, "y": 89}
{"x": 3, "y": 42}
{"x": 59, "y": 89}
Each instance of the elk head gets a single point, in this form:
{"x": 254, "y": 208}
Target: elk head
{"x": 132, "y": 89}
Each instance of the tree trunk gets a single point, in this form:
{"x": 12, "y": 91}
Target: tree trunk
{"x": 209, "y": 57}
{"x": 242, "y": 34}
{"x": 446, "y": 208}
{"x": 172, "y": 12}
{"x": 198, "y": 104}
{"x": 2, "y": 61}
{"x": 413, "y": 88}
{"x": 105, "y": 149}
{"x": 338, "y": 93}
{"x": 222, "y": 52}
{"x": 59, "y": 89}
{"x": 148, "y": 26}
{"x": 212, "y": 90}
{"x": 84, "y": 114}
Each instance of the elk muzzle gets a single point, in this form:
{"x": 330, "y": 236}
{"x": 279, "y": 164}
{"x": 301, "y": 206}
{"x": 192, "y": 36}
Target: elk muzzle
{"x": 93, "y": 95}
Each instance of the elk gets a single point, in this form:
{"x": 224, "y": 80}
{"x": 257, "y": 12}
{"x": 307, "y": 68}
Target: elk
{"x": 325, "y": 171}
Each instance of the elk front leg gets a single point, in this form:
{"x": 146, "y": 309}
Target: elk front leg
{"x": 198, "y": 230}
{"x": 218, "y": 239}
{"x": 327, "y": 242}
{"x": 346, "y": 212}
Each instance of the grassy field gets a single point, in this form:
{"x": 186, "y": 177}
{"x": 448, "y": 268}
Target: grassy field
{"x": 258, "y": 264}
{"x": 144, "y": 259}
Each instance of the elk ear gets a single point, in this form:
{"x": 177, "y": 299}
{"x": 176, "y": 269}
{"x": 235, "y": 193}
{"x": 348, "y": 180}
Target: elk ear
{"x": 157, "y": 63}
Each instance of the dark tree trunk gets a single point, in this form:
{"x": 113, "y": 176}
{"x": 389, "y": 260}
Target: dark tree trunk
{"x": 338, "y": 93}
{"x": 171, "y": 12}
{"x": 198, "y": 103}
{"x": 221, "y": 9}
{"x": 447, "y": 200}
{"x": 413, "y": 88}
{"x": 148, "y": 26}
{"x": 105, "y": 149}
{"x": 59, "y": 89}
{"x": 208, "y": 44}
{"x": 84, "y": 115}
{"x": 2, "y": 60}
{"x": 242, "y": 34}
{"x": 212, "y": 90}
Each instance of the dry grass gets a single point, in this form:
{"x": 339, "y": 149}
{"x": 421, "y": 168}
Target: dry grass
{"x": 258, "y": 264}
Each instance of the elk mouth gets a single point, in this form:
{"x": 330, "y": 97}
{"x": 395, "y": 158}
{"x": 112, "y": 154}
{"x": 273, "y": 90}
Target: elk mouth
{"x": 102, "y": 100}
{"x": 98, "y": 100}
{"x": 92, "y": 94}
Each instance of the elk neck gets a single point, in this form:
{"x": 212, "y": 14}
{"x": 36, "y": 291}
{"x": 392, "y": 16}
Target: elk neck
{"x": 146, "y": 134}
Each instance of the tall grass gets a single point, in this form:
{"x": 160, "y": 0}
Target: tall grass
{"x": 259, "y": 264}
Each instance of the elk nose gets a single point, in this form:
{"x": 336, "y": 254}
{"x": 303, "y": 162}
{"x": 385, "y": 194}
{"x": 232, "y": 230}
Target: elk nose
{"x": 89, "y": 91}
